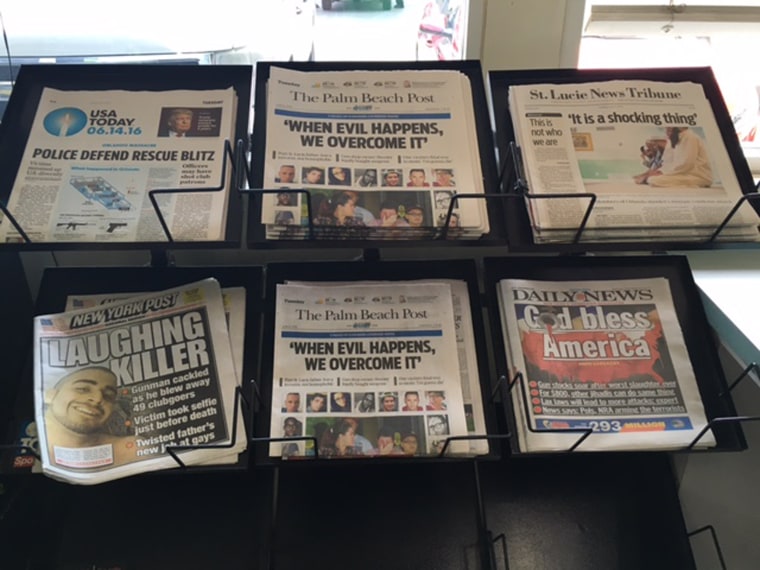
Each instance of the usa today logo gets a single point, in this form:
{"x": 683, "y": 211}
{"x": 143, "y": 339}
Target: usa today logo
{"x": 65, "y": 122}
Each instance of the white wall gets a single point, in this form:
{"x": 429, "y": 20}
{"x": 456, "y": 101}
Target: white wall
{"x": 525, "y": 34}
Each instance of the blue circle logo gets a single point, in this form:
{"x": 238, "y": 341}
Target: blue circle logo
{"x": 65, "y": 122}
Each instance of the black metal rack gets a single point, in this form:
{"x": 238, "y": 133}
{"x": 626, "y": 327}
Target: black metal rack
{"x": 513, "y": 181}
{"x": 708, "y": 372}
{"x": 507, "y": 509}
{"x": 348, "y": 237}
{"x": 22, "y": 106}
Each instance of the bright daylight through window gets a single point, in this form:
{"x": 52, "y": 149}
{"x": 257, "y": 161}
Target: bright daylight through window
{"x": 233, "y": 32}
{"x": 722, "y": 34}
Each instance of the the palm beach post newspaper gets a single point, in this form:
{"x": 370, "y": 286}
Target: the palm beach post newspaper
{"x": 650, "y": 151}
{"x": 116, "y": 384}
{"x": 381, "y": 154}
{"x": 233, "y": 299}
{"x": 93, "y": 156}
{"x": 602, "y": 355}
{"x": 468, "y": 365}
{"x": 366, "y": 370}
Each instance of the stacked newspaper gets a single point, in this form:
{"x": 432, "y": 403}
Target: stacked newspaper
{"x": 375, "y": 369}
{"x": 650, "y": 152}
{"x": 123, "y": 379}
{"x": 601, "y": 357}
{"x": 377, "y": 154}
{"x": 93, "y": 156}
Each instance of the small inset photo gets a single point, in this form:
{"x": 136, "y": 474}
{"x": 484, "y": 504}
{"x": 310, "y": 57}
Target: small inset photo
{"x": 364, "y": 402}
{"x": 436, "y": 400}
{"x": 340, "y": 402}
{"x": 392, "y": 177}
{"x": 389, "y": 402}
{"x": 312, "y": 175}
{"x": 339, "y": 176}
{"x": 365, "y": 177}
{"x": 438, "y": 424}
{"x": 443, "y": 177}
{"x": 286, "y": 174}
{"x": 316, "y": 403}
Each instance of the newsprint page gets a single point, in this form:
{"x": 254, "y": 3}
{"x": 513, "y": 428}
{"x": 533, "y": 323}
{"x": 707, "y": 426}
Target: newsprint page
{"x": 468, "y": 365}
{"x": 650, "y": 151}
{"x": 233, "y": 299}
{"x": 116, "y": 384}
{"x": 602, "y": 355}
{"x": 366, "y": 370}
{"x": 92, "y": 157}
{"x": 381, "y": 154}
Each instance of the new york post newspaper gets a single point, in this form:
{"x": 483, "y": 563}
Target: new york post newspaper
{"x": 114, "y": 385}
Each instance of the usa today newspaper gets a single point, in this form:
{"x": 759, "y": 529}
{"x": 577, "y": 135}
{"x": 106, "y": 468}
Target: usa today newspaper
{"x": 93, "y": 156}
{"x": 115, "y": 385}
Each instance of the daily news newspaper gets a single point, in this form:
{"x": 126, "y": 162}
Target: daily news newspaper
{"x": 650, "y": 151}
{"x": 93, "y": 156}
{"x": 116, "y": 384}
{"x": 366, "y": 370}
{"x": 397, "y": 145}
{"x": 608, "y": 356}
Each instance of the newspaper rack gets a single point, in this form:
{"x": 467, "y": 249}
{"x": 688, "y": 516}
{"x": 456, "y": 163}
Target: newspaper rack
{"x": 346, "y": 237}
{"x": 380, "y": 271}
{"x": 457, "y": 487}
{"x": 715, "y": 541}
{"x": 710, "y": 378}
{"x": 518, "y": 227}
{"x": 240, "y": 399}
{"x": 512, "y": 170}
{"x": 58, "y": 283}
{"x": 752, "y": 367}
{"x": 22, "y": 106}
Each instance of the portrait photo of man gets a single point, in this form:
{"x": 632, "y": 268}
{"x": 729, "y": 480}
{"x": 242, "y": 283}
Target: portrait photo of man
{"x": 412, "y": 402}
{"x": 389, "y": 402}
{"x": 78, "y": 415}
{"x": 178, "y": 123}
{"x": 313, "y": 175}
{"x": 292, "y": 403}
{"x": 286, "y": 174}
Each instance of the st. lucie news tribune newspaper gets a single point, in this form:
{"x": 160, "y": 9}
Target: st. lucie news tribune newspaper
{"x": 602, "y": 355}
{"x": 366, "y": 370}
{"x": 116, "y": 384}
{"x": 650, "y": 151}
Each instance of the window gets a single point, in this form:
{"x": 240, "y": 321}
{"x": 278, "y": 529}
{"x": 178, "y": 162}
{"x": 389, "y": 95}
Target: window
{"x": 652, "y": 33}
{"x": 153, "y": 31}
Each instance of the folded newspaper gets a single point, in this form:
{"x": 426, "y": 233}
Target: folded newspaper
{"x": 468, "y": 365}
{"x": 234, "y": 314}
{"x": 651, "y": 152}
{"x": 93, "y": 156}
{"x": 366, "y": 370}
{"x": 118, "y": 384}
{"x": 601, "y": 356}
{"x": 380, "y": 154}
